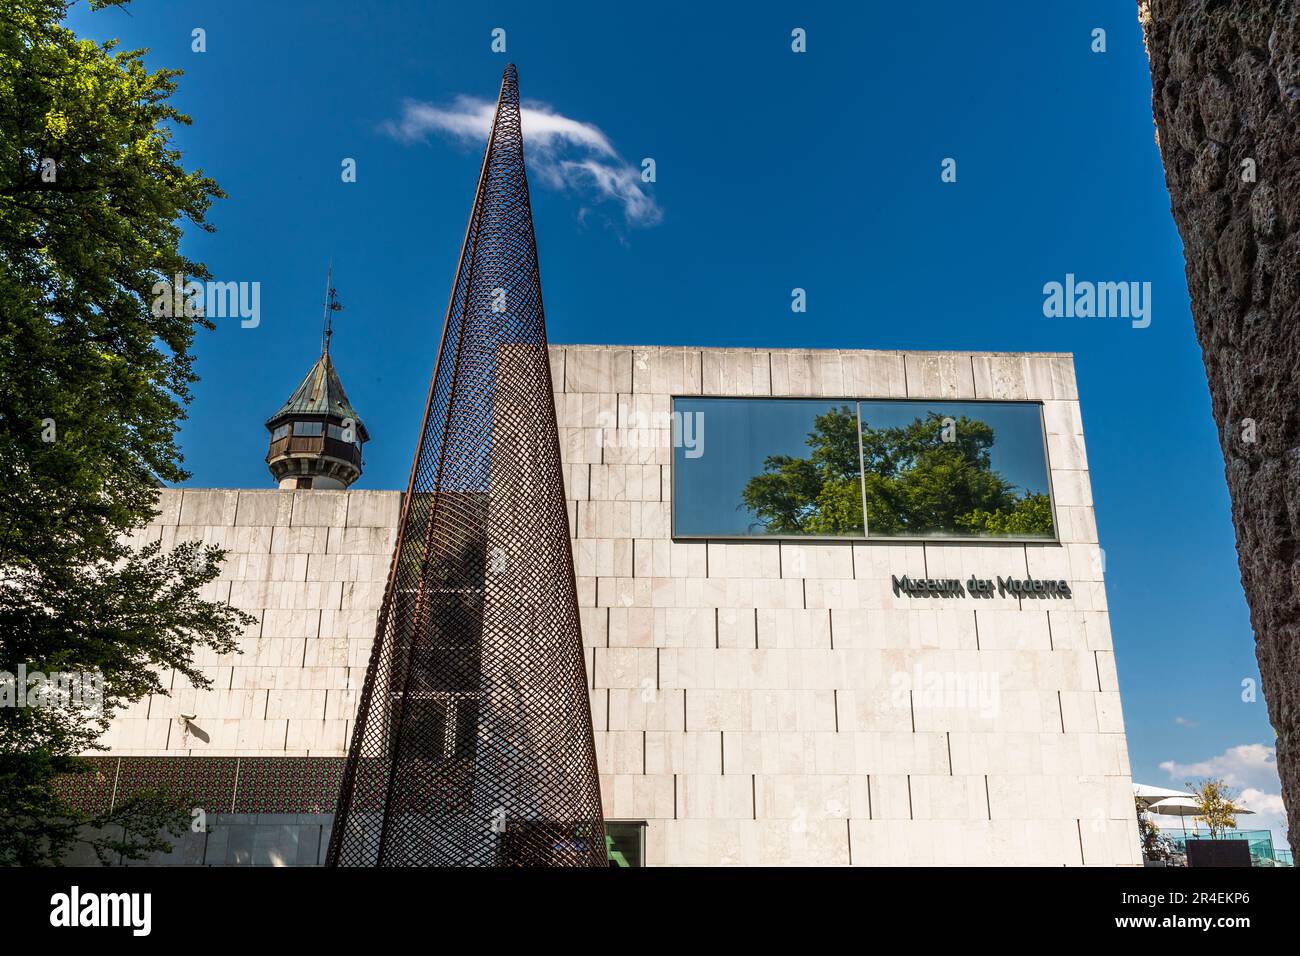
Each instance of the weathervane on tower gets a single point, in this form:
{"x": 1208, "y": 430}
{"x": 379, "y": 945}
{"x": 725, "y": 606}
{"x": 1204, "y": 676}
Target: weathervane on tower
{"x": 317, "y": 436}
{"x": 332, "y": 305}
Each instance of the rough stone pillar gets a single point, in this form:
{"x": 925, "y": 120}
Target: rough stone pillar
{"x": 1226, "y": 97}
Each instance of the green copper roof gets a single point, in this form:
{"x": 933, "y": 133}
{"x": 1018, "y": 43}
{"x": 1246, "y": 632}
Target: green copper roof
{"x": 321, "y": 393}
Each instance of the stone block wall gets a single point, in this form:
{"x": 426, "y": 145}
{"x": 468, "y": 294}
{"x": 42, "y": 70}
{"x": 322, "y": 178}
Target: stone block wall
{"x": 311, "y": 566}
{"x": 751, "y": 697}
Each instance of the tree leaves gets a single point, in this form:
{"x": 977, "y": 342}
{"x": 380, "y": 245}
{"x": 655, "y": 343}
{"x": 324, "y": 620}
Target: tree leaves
{"x": 933, "y": 476}
{"x": 93, "y": 386}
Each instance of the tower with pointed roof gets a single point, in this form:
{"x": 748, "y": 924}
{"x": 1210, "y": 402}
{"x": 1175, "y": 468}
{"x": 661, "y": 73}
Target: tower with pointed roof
{"x": 317, "y": 436}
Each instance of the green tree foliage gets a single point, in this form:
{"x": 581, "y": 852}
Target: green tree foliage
{"x": 93, "y": 384}
{"x": 932, "y": 476}
{"x": 1030, "y": 515}
{"x": 819, "y": 494}
{"x": 1155, "y": 845}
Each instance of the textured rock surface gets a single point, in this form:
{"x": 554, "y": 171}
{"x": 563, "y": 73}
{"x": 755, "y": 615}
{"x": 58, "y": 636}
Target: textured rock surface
{"x": 1226, "y": 90}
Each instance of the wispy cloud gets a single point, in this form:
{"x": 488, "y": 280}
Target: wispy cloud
{"x": 566, "y": 154}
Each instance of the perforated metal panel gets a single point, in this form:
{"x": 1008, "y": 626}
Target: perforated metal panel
{"x": 473, "y": 744}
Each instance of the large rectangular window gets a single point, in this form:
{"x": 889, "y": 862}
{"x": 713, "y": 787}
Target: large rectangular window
{"x": 810, "y": 468}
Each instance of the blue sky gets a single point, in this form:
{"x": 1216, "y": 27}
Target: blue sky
{"x": 774, "y": 170}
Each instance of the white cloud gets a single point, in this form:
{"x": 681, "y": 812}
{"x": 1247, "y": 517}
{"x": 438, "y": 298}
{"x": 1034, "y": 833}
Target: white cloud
{"x": 564, "y": 153}
{"x": 1250, "y": 769}
{"x": 1264, "y": 803}
{"x": 1242, "y": 766}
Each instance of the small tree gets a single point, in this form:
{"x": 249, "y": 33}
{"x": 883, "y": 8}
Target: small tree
{"x": 1215, "y": 801}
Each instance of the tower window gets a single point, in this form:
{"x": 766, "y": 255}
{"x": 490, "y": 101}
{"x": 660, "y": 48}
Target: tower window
{"x": 337, "y": 432}
{"x": 308, "y": 429}
{"x": 281, "y": 432}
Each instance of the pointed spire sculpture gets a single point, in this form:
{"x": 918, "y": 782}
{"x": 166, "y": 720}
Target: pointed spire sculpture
{"x": 473, "y": 742}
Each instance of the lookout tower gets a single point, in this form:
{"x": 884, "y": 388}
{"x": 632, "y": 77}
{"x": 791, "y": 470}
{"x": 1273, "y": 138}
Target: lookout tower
{"x": 317, "y": 436}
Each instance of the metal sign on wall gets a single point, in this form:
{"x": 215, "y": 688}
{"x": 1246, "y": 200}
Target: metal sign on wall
{"x": 981, "y": 587}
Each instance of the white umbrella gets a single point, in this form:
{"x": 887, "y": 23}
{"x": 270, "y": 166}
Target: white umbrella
{"x": 1145, "y": 794}
{"x": 1182, "y": 807}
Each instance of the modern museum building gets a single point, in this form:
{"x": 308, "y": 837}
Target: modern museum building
{"x": 839, "y": 608}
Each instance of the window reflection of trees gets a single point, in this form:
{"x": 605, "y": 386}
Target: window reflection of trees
{"x": 932, "y": 476}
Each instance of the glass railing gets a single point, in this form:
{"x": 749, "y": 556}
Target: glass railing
{"x": 1262, "y": 851}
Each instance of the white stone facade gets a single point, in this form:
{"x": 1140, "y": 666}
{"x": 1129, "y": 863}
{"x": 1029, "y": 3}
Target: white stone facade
{"x": 745, "y": 694}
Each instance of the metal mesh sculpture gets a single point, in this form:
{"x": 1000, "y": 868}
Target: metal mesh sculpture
{"x": 473, "y": 742}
